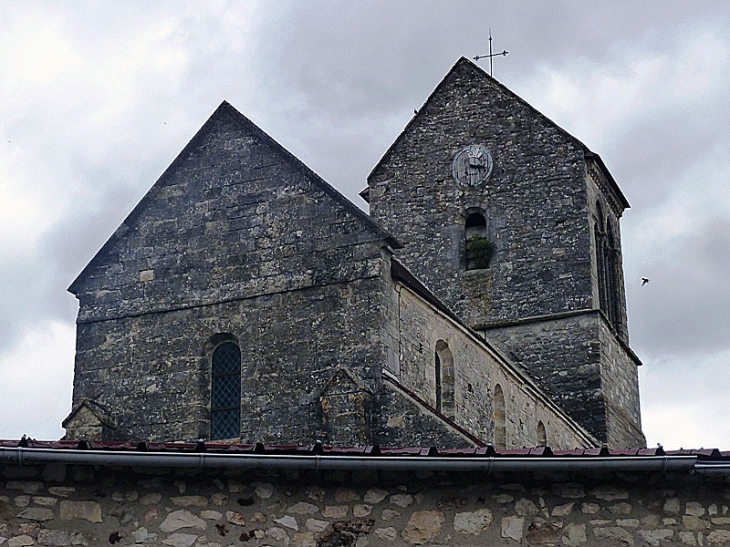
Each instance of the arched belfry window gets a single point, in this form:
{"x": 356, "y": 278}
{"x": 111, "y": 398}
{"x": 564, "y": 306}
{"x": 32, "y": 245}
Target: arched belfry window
{"x": 225, "y": 392}
{"x": 478, "y": 247}
{"x": 500, "y": 418}
{"x": 444, "y": 372}
{"x": 608, "y": 265}
{"x": 601, "y": 259}
{"x": 613, "y": 266}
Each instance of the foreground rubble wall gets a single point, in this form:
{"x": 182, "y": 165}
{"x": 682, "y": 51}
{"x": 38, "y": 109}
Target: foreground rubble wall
{"x": 57, "y": 504}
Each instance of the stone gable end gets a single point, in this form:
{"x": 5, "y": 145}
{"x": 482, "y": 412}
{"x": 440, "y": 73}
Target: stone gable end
{"x": 534, "y": 202}
{"x": 234, "y": 216}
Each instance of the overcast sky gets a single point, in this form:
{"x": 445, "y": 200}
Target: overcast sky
{"x": 96, "y": 100}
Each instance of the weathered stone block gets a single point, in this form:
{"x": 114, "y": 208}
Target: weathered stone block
{"x": 473, "y": 522}
{"x": 423, "y": 527}
{"x": 182, "y": 519}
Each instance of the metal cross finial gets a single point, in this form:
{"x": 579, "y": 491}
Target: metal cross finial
{"x": 491, "y": 55}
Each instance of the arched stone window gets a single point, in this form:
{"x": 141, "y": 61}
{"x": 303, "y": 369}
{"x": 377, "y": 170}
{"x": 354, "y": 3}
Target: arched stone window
{"x": 478, "y": 247}
{"x": 225, "y": 392}
{"x": 444, "y": 372}
{"x": 541, "y": 434}
{"x": 608, "y": 264}
{"x": 500, "y": 418}
{"x": 613, "y": 266}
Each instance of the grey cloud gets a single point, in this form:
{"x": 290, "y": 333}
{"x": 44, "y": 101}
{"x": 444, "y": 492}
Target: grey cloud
{"x": 335, "y": 83}
{"x": 652, "y": 154}
{"x": 683, "y": 310}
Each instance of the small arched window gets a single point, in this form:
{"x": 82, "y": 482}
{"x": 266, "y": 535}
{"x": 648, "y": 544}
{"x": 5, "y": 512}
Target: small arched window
{"x": 500, "y": 418}
{"x": 541, "y": 434}
{"x": 478, "y": 247}
{"x": 225, "y": 392}
{"x": 444, "y": 372}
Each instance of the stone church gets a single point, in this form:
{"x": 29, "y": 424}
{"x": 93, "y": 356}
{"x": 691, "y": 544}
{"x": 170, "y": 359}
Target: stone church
{"x": 480, "y": 302}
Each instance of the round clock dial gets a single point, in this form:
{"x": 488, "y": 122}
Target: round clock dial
{"x": 472, "y": 166}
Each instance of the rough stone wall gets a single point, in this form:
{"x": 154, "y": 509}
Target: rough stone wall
{"x": 237, "y": 239}
{"x": 584, "y": 369}
{"x": 563, "y": 356}
{"x": 535, "y": 203}
{"x": 60, "y": 506}
{"x": 156, "y": 375}
{"x": 477, "y": 370}
{"x": 234, "y": 216}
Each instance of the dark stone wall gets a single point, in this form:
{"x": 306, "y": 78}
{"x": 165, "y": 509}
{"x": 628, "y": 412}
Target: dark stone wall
{"x": 563, "y": 356}
{"x": 153, "y": 371}
{"x": 237, "y": 240}
{"x": 623, "y": 413}
{"x": 403, "y": 422}
{"x": 235, "y": 216}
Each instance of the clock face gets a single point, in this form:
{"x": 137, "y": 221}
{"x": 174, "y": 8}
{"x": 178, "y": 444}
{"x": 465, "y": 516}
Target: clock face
{"x": 472, "y": 166}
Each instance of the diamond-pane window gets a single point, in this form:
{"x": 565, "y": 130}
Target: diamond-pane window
{"x": 225, "y": 392}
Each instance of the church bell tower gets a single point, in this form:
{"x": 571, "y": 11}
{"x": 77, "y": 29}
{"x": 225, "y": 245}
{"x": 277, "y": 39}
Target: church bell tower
{"x": 514, "y": 224}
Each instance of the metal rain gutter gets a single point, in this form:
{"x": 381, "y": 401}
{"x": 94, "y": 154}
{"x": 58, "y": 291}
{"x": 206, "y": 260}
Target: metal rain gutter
{"x": 483, "y": 464}
{"x": 710, "y": 469}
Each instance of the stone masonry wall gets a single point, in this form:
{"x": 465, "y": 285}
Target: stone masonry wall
{"x": 402, "y": 421}
{"x": 477, "y": 370}
{"x": 563, "y": 356}
{"x": 153, "y": 372}
{"x": 539, "y": 206}
{"x": 622, "y": 399}
{"x": 55, "y": 505}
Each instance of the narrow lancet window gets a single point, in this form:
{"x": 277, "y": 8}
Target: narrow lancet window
{"x": 438, "y": 381}
{"x": 541, "y": 434}
{"x": 601, "y": 262}
{"x": 225, "y": 392}
{"x": 500, "y": 418}
{"x": 444, "y": 363}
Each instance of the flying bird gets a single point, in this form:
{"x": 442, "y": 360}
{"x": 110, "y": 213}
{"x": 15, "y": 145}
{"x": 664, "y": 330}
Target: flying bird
{"x": 644, "y": 281}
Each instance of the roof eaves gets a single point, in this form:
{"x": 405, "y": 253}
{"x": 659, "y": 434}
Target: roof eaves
{"x": 317, "y": 457}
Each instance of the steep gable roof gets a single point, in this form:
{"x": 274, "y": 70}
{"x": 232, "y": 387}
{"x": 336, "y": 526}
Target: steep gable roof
{"x": 227, "y": 112}
{"x": 464, "y": 65}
